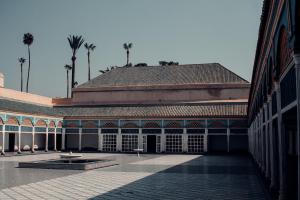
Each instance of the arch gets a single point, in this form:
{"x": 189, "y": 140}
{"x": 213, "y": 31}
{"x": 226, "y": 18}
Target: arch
{"x": 173, "y": 125}
{"x": 59, "y": 124}
{"x": 41, "y": 123}
{"x": 151, "y": 125}
{"x": 52, "y": 124}
{"x": 283, "y": 55}
{"x": 89, "y": 124}
{"x": 12, "y": 121}
{"x": 195, "y": 124}
{"x": 270, "y": 77}
{"x": 109, "y": 125}
{"x": 27, "y": 122}
{"x": 130, "y": 125}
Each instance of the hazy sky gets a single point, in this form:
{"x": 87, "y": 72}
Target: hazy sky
{"x": 186, "y": 31}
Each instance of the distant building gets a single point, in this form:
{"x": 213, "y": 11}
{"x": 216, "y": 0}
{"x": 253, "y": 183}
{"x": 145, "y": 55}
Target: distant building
{"x": 173, "y": 109}
{"x": 274, "y": 102}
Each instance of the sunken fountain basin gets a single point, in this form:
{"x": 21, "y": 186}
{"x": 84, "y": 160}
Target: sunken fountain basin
{"x": 74, "y": 163}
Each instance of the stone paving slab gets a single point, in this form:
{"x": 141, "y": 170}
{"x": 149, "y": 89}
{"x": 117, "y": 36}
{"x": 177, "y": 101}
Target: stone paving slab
{"x": 153, "y": 177}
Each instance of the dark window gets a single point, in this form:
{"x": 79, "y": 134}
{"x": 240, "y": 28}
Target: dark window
{"x": 130, "y": 130}
{"x": 288, "y": 88}
{"x": 11, "y": 128}
{"x": 172, "y": 130}
{"x": 151, "y": 130}
{"x": 212, "y": 131}
{"x": 195, "y": 131}
{"x": 274, "y": 104}
{"x": 40, "y": 129}
{"x": 109, "y": 130}
{"x": 72, "y": 130}
{"x": 26, "y": 129}
{"x": 58, "y": 130}
{"x": 239, "y": 131}
{"x": 89, "y": 130}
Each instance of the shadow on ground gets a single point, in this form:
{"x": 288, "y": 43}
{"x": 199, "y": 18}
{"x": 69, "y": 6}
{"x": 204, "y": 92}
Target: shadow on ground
{"x": 206, "y": 177}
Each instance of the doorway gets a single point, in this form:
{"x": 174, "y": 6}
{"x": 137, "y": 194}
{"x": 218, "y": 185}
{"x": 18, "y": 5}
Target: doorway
{"x": 58, "y": 142}
{"x": 151, "y": 143}
{"x": 11, "y": 142}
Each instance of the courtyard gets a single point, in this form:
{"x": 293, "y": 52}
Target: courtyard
{"x": 151, "y": 176}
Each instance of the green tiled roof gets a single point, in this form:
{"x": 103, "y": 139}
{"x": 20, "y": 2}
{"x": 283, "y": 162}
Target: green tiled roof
{"x": 165, "y": 75}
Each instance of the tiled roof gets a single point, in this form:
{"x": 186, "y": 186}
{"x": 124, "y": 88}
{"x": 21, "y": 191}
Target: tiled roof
{"x": 165, "y": 75}
{"x": 22, "y": 107}
{"x": 131, "y": 111}
{"x": 157, "y": 111}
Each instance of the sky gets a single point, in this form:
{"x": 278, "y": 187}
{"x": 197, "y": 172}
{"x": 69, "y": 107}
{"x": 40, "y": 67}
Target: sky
{"x": 184, "y": 31}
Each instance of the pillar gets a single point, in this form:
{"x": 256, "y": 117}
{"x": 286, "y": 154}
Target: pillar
{"x": 163, "y": 140}
{"x": 55, "y": 135}
{"x": 267, "y": 140}
{"x": 80, "y": 138}
{"x": 100, "y": 139}
{"x": 119, "y": 139}
{"x": 206, "y": 139}
{"x": 281, "y": 148}
{"x": 228, "y": 140}
{"x": 184, "y": 141}
{"x": 63, "y": 139}
{"x": 46, "y": 140}
{"x": 19, "y": 140}
{"x": 32, "y": 141}
{"x": 273, "y": 147}
{"x": 140, "y": 140}
{"x": 297, "y": 68}
{"x": 3, "y": 140}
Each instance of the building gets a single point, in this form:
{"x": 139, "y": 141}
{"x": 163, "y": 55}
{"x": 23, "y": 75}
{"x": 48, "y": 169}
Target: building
{"x": 173, "y": 109}
{"x": 274, "y": 102}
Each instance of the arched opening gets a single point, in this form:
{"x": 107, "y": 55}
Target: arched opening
{"x": 283, "y": 56}
{"x": 11, "y": 130}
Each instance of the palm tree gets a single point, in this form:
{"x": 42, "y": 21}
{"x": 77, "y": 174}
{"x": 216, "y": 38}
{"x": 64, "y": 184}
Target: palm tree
{"x": 89, "y": 47}
{"x": 127, "y": 46}
{"x": 22, "y": 61}
{"x": 27, "y": 40}
{"x": 75, "y": 43}
{"x": 68, "y": 68}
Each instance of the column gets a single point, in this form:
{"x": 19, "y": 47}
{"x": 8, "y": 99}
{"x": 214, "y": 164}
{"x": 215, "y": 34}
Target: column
{"x": 119, "y": 138}
{"x": 297, "y": 68}
{"x": 3, "y": 140}
{"x": 273, "y": 146}
{"x": 46, "y": 140}
{"x": 63, "y": 139}
{"x": 32, "y": 141}
{"x": 19, "y": 140}
{"x": 140, "y": 140}
{"x": 206, "y": 139}
{"x": 184, "y": 141}
{"x": 281, "y": 148}
{"x": 100, "y": 139}
{"x": 267, "y": 140}
{"x": 55, "y": 135}
{"x": 228, "y": 140}
{"x": 80, "y": 137}
{"x": 163, "y": 140}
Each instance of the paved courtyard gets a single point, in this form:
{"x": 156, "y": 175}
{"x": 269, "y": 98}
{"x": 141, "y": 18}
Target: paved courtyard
{"x": 147, "y": 177}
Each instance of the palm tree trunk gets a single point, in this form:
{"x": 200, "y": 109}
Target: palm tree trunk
{"x": 21, "y": 77}
{"x": 127, "y": 57}
{"x": 73, "y": 73}
{"x": 28, "y": 73}
{"x": 67, "y": 83}
{"x": 89, "y": 75}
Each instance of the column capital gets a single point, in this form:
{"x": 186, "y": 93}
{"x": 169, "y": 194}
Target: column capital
{"x": 297, "y": 59}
